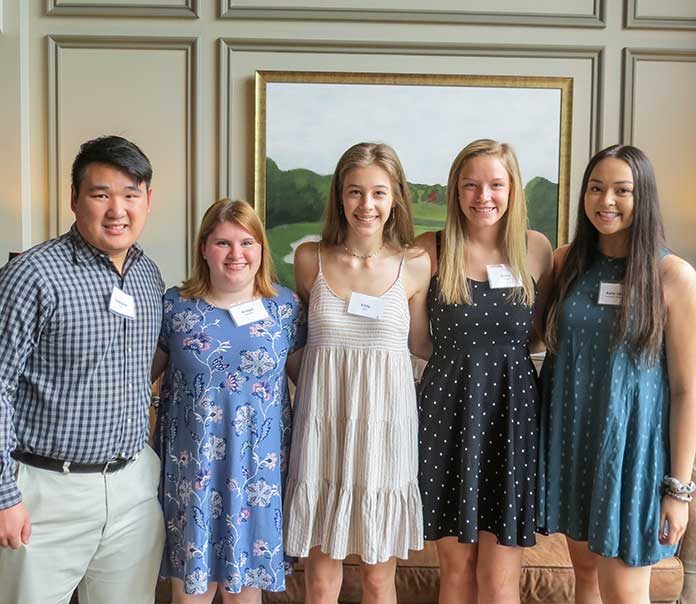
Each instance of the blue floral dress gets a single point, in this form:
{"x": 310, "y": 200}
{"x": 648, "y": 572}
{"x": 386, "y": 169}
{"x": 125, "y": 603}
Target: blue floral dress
{"x": 223, "y": 432}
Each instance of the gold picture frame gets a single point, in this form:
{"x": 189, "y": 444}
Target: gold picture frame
{"x": 532, "y": 113}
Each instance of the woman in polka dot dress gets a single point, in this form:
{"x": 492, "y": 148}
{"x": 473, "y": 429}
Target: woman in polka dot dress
{"x": 619, "y": 393}
{"x": 478, "y": 397}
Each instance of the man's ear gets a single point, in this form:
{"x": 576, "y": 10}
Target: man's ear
{"x": 73, "y": 198}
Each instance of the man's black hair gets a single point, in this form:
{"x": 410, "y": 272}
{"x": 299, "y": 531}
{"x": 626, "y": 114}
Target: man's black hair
{"x": 114, "y": 151}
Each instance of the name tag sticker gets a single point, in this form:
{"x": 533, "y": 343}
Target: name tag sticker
{"x": 248, "y": 312}
{"x": 363, "y": 305}
{"x": 610, "y": 293}
{"x": 122, "y": 304}
{"x": 501, "y": 276}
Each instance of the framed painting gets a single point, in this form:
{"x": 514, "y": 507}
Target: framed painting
{"x": 306, "y": 120}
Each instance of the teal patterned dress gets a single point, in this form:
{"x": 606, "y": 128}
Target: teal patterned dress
{"x": 604, "y": 434}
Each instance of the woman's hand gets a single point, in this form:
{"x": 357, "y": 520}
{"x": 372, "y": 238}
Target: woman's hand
{"x": 674, "y": 516}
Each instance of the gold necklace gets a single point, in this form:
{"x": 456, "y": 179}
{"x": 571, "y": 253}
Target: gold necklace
{"x": 363, "y": 256}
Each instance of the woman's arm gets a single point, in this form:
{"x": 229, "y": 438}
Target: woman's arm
{"x": 541, "y": 266}
{"x": 159, "y": 364}
{"x": 679, "y": 282}
{"x": 306, "y": 269}
{"x": 292, "y": 364}
{"x": 418, "y": 275}
{"x": 428, "y": 243}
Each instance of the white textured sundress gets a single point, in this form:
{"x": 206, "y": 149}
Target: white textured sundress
{"x": 352, "y": 485}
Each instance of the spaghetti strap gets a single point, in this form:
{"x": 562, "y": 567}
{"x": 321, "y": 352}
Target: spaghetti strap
{"x": 401, "y": 264}
{"x": 438, "y": 243}
{"x": 319, "y": 256}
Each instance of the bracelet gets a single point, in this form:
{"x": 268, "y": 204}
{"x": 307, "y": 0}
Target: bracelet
{"x": 673, "y": 485}
{"x": 678, "y": 497}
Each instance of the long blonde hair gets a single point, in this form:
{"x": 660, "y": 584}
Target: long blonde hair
{"x": 398, "y": 230}
{"x": 454, "y": 288}
{"x": 243, "y": 215}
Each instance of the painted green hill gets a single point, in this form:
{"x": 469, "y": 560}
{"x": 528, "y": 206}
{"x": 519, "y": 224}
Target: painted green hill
{"x": 542, "y": 206}
{"x": 294, "y": 195}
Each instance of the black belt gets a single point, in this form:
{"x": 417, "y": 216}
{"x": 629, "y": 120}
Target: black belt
{"x": 68, "y": 467}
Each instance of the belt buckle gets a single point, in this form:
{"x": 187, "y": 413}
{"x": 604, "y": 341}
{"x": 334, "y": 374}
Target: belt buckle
{"x": 105, "y": 469}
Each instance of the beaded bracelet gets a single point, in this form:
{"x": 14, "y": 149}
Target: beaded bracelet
{"x": 677, "y": 496}
{"x": 673, "y": 485}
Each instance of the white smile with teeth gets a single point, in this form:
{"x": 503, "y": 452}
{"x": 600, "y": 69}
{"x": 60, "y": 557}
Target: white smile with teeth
{"x": 486, "y": 210}
{"x": 608, "y": 215}
{"x": 116, "y": 228}
{"x": 365, "y": 218}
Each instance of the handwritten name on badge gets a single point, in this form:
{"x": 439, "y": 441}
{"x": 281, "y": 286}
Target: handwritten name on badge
{"x": 501, "y": 276}
{"x": 610, "y": 293}
{"x": 122, "y": 304}
{"x": 363, "y": 305}
{"x": 248, "y": 312}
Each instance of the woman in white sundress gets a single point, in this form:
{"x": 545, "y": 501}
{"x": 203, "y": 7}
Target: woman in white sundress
{"x": 353, "y": 477}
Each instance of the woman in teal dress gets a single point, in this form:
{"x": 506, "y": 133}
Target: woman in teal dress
{"x": 618, "y": 421}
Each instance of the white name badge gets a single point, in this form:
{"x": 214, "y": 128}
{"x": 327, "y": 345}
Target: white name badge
{"x": 610, "y": 293}
{"x": 365, "y": 306}
{"x": 500, "y": 276}
{"x": 248, "y": 312}
{"x": 122, "y": 304}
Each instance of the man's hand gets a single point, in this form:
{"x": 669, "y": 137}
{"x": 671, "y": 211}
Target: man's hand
{"x": 15, "y": 526}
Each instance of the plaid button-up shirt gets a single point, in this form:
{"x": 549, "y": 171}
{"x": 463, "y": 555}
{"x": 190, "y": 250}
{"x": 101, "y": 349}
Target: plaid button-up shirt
{"x": 74, "y": 377}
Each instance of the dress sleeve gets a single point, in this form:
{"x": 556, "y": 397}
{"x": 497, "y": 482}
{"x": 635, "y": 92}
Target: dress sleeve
{"x": 166, "y": 327}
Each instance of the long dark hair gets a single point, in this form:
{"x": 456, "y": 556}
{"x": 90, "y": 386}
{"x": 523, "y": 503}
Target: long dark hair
{"x": 641, "y": 316}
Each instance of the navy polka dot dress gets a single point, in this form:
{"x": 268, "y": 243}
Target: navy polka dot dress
{"x": 604, "y": 442}
{"x": 478, "y": 420}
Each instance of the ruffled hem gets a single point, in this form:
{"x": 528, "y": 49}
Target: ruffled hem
{"x": 375, "y": 525}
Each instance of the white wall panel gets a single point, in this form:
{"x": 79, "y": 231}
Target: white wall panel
{"x": 660, "y": 119}
{"x": 125, "y": 8}
{"x": 144, "y": 90}
{"x": 661, "y": 14}
{"x": 584, "y": 13}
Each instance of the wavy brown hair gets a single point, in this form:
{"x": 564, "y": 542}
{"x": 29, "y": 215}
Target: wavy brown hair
{"x": 242, "y": 214}
{"x": 641, "y": 319}
{"x": 398, "y": 230}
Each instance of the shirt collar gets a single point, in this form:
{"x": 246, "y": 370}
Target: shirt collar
{"x": 82, "y": 251}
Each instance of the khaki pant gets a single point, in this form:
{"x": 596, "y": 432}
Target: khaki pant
{"x": 101, "y": 534}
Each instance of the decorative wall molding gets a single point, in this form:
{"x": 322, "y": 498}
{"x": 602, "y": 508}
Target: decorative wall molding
{"x": 189, "y": 10}
{"x": 229, "y": 9}
{"x": 631, "y": 58}
{"x": 634, "y": 20}
{"x": 57, "y": 44}
{"x": 595, "y": 55}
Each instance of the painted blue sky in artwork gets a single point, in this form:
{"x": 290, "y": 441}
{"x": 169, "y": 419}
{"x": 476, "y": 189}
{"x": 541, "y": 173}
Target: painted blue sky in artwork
{"x": 310, "y": 125}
